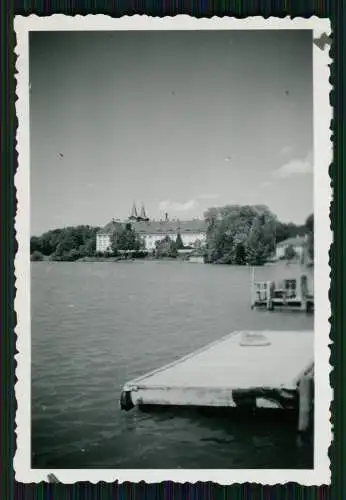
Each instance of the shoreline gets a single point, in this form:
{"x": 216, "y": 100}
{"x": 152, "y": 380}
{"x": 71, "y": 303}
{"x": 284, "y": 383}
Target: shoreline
{"x": 107, "y": 259}
{"x": 166, "y": 259}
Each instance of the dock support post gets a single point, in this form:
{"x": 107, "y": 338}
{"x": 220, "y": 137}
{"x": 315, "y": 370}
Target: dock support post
{"x": 270, "y": 294}
{"x": 253, "y": 289}
{"x": 305, "y": 404}
{"x": 303, "y": 303}
{"x": 126, "y": 402}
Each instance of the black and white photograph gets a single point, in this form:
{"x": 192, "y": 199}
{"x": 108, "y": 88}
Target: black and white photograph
{"x": 173, "y": 236}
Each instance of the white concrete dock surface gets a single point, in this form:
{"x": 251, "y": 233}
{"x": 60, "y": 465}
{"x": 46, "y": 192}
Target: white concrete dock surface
{"x": 259, "y": 369}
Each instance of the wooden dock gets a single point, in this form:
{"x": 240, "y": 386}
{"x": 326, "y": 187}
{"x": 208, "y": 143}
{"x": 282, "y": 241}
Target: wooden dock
{"x": 265, "y": 295}
{"x": 293, "y": 290}
{"x": 244, "y": 369}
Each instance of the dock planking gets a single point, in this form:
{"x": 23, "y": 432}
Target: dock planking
{"x": 244, "y": 369}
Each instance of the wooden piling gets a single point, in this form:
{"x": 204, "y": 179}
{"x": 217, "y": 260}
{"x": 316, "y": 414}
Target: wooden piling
{"x": 305, "y": 404}
{"x": 270, "y": 295}
{"x": 267, "y": 294}
{"x": 253, "y": 288}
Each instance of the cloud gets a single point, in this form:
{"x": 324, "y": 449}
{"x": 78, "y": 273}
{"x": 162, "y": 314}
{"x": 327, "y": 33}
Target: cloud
{"x": 286, "y": 150}
{"x": 187, "y": 206}
{"x": 176, "y": 206}
{"x": 208, "y": 196}
{"x": 295, "y": 167}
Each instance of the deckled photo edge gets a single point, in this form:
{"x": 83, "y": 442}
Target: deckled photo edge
{"x": 322, "y": 198}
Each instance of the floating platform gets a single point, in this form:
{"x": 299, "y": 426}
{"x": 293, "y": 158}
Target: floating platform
{"x": 278, "y": 303}
{"x": 243, "y": 369}
{"x": 288, "y": 286}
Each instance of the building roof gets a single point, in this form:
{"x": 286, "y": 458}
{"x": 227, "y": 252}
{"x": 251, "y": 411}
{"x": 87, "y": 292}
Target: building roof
{"x": 111, "y": 227}
{"x": 295, "y": 241}
{"x": 166, "y": 227}
{"x": 160, "y": 227}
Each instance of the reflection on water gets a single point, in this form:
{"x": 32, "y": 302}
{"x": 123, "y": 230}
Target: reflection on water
{"x": 97, "y": 325}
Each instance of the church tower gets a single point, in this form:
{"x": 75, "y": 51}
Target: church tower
{"x": 134, "y": 215}
{"x": 143, "y": 215}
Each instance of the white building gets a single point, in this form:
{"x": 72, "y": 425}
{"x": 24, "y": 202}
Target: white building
{"x": 192, "y": 232}
{"x": 104, "y": 237}
{"x": 298, "y": 243}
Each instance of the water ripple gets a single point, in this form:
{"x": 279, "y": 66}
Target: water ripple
{"x": 95, "y": 326}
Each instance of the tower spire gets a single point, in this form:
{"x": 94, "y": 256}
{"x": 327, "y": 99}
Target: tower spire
{"x": 142, "y": 214}
{"x": 134, "y": 212}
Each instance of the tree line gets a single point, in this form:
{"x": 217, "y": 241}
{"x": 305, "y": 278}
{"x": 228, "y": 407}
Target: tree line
{"x": 249, "y": 234}
{"x": 67, "y": 244}
{"x": 235, "y": 235}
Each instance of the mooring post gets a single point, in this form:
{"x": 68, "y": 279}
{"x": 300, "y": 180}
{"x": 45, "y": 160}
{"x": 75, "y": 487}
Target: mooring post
{"x": 253, "y": 289}
{"x": 126, "y": 402}
{"x": 270, "y": 293}
{"x": 305, "y": 404}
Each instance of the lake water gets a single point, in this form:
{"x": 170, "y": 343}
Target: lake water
{"x": 97, "y": 325}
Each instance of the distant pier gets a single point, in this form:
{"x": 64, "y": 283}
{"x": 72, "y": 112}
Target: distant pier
{"x": 266, "y": 294}
{"x": 288, "y": 286}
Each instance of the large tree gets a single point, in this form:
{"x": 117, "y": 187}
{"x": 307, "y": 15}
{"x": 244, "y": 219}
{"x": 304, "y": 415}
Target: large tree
{"x": 240, "y": 234}
{"x": 125, "y": 239}
{"x": 179, "y": 242}
{"x": 166, "y": 248}
{"x": 68, "y": 243}
{"x": 283, "y": 231}
{"x": 260, "y": 242}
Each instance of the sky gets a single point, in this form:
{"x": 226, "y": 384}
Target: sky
{"x": 180, "y": 121}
